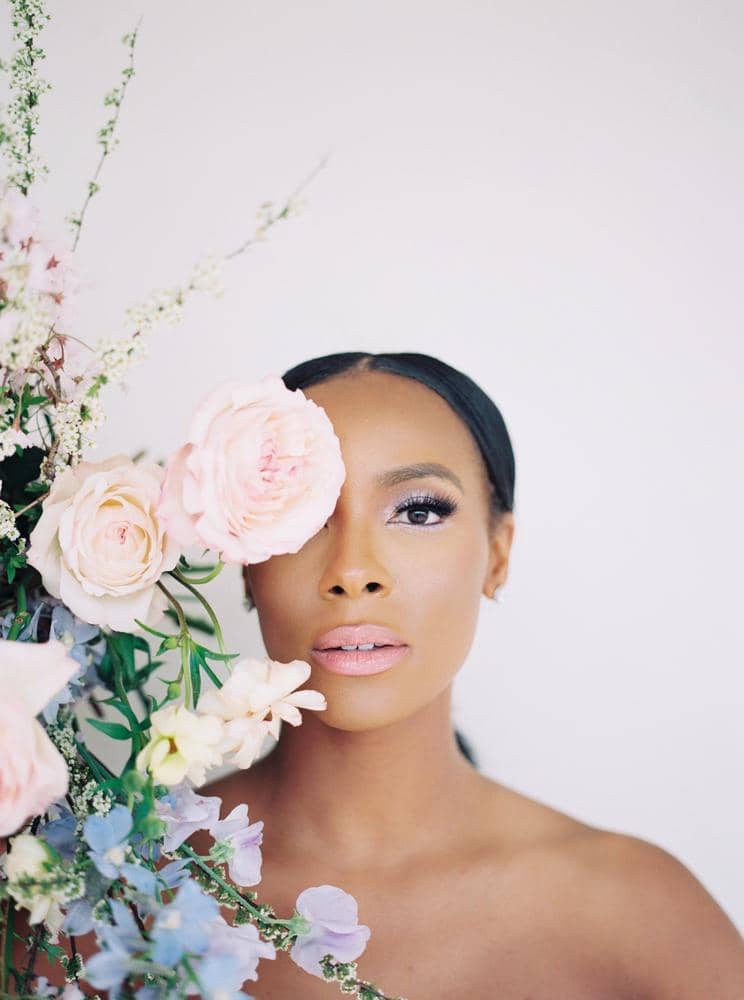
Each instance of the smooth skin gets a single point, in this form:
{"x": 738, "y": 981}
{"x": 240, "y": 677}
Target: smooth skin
{"x": 470, "y": 888}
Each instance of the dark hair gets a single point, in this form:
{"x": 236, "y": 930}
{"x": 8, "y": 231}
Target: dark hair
{"x": 476, "y": 409}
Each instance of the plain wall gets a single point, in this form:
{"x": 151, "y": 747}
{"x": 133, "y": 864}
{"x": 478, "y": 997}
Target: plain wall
{"x": 547, "y": 196}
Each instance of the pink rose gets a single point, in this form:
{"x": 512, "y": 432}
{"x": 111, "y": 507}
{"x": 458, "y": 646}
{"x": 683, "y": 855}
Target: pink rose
{"x": 100, "y": 546}
{"x": 259, "y": 475}
{"x": 33, "y": 773}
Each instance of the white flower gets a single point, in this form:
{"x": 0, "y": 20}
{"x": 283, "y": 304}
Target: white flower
{"x": 10, "y": 438}
{"x": 7, "y": 522}
{"x": 31, "y": 858}
{"x": 254, "y": 700}
{"x": 182, "y": 745}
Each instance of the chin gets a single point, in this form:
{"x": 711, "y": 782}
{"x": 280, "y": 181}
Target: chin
{"x": 359, "y": 711}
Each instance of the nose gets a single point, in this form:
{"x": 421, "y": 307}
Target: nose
{"x": 352, "y": 567}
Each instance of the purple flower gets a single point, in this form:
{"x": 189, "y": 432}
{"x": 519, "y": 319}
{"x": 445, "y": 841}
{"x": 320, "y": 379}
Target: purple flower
{"x": 243, "y": 841}
{"x": 60, "y": 833}
{"x": 241, "y": 943}
{"x": 184, "y": 812}
{"x": 183, "y": 925}
{"x": 330, "y": 928}
{"x": 175, "y": 873}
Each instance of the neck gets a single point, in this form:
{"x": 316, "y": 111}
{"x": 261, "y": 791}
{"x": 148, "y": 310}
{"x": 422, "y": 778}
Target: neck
{"x": 368, "y": 798}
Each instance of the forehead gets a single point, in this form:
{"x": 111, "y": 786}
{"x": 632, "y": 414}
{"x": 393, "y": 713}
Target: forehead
{"x": 383, "y": 420}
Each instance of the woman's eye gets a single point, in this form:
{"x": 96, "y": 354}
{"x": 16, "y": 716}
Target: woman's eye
{"x": 418, "y": 510}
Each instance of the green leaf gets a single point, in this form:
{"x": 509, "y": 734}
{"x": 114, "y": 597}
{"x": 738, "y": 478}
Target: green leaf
{"x": 195, "y": 671}
{"x": 215, "y": 656}
{"x": 112, "y": 729}
{"x": 200, "y": 624}
{"x": 34, "y": 488}
{"x": 152, "y": 631}
{"x": 170, "y": 642}
{"x": 205, "y": 666}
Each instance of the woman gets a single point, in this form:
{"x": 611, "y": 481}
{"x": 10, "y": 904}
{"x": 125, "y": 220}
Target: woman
{"x": 470, "y": 888}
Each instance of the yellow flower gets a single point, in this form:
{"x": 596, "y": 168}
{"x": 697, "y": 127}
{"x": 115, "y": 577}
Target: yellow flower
{"x": 182, "y": 745}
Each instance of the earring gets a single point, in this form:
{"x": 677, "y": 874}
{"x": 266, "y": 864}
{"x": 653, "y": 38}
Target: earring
{"x": 497, "y": 596}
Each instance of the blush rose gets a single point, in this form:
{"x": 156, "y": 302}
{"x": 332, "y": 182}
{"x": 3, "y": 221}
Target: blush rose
{"x": 259, "y": 475}
{"x": 33, "y": 773}
{"x": 100, "y": 546}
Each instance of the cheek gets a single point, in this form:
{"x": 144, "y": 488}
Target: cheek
{"x": 280, "y": 592}
{"x": 439, "y": 601}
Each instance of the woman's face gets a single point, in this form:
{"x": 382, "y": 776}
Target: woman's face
{"x": 420, "y": 572}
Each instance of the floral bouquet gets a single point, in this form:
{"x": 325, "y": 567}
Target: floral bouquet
{"x": 94, "y": 585}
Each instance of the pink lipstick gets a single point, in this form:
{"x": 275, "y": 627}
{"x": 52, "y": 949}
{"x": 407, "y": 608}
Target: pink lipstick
{"x": 381, "y": 649}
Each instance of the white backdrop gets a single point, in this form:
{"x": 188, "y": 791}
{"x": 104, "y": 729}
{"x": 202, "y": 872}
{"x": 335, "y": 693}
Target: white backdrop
{"x": 548, "y": 196}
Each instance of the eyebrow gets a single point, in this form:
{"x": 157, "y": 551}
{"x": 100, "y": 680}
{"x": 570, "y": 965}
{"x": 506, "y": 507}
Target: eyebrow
{"x": 418, "y": 470}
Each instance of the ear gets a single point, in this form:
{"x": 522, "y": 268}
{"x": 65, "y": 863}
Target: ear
{"x": 499, "y": 548}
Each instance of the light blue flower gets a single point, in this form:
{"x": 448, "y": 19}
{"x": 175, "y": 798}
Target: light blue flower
{"x": 107, "y": 837}
{"x": 217, "y": 976}
{"x": 330, "y": 927}
{"x": 44, "y": 988}
{"x": 108, "y": 968}
{"x": 240, "y": 942}
{"x": 183, "y": 925}
{"x": 149, "y": 993}
{"x": 79, "y": 918}
{"x": 77, "y": 635}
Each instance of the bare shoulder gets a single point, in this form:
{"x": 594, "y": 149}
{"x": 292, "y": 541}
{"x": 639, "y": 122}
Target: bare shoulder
{"x": 648, "y": 927}
{"x": 656, "y": 923}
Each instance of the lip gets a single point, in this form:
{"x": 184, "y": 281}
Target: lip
{"x": 351, "y": 635}
{"x": 361, "y": 661}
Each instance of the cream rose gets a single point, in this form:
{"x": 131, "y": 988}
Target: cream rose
{"x": 259, "y": 475}
{"x": 33, "y": 773}
{"x": 100, "y": 545}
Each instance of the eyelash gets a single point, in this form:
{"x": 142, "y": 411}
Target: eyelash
{"x": 440, "y": 505}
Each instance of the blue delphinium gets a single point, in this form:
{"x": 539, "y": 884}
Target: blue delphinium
{"x": 217, "y": 977}
{"x": 239, "y": 945}
{"x": 107, "y": 836}
{"x": 108, "y": 968}
{"x": 77, "y": 635}
{"x": 183, "y": 925}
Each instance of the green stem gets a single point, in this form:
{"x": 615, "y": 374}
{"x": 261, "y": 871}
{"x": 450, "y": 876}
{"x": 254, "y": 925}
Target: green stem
{"x": 185, "y": 671}
{"x": 133, "y": 720}
{"x": 177, "y": 607}
{"x": 187, "y": 852}
{"x": 22, "y": 616}
{"x": 7, "y": 944}
{"x": 188, "y": 584}
{"x": 199, "y": 579}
